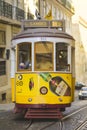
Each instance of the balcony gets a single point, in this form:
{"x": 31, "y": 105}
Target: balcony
{"x": 63, "y": 2}
{"x": 5, "y": 9}
{"x": 10, "y": 13}
{"x": 70, "y": 6}
{"x": 20, "y": 15}
{"x": 67, "y": 4}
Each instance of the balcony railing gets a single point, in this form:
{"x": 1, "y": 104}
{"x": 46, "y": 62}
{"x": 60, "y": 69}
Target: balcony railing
{"x": 67, "y": 4}
{"x": 7, "y": 10}
{"x": 63, "y": 2}
{"x": 20, "y": 14}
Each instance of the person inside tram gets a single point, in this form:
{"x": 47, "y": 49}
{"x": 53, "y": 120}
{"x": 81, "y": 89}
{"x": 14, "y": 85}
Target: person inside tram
{"x": 25, "y": 65}
{"x": 24, "y": 62}
{"x": 24, "y": 55}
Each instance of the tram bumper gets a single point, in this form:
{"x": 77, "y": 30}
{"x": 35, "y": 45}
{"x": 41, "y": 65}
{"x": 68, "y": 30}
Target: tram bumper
{"x": 43, "y": 113}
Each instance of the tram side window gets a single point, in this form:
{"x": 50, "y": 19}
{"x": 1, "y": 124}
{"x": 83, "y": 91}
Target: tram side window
{"x": 62, "y": 57}
{"x": 24, "y": 56}
{"x": 44, "y": 56}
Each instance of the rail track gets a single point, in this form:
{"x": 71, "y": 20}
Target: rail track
{"x": 77, "y": 120}
{"x": 83, "y": 126}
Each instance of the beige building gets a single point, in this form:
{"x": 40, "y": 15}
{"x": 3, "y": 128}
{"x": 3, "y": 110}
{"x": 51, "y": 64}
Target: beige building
{"x": 61, "y": 10}
{"x": 80, "y": 35}
{"x": 11, "y": 13}
{"x": 56, "y": 9}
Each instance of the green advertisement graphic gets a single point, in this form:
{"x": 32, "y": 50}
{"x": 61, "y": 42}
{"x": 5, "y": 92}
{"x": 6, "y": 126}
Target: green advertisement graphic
{"x": 57, "y": 84}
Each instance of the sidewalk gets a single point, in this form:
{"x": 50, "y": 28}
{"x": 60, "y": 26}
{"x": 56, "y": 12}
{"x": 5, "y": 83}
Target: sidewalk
{"x": 6, "y": 107}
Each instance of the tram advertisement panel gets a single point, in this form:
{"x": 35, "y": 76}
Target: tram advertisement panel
{"x": 56, "y": 84}
{"x": 44, "y": 83}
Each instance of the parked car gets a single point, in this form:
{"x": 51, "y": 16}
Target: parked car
{"x": 79, "y": 85}
{"x": 83, "y": 93}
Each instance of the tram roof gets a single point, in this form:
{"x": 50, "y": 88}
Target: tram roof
{"x": 43, "y": 28}
{"x": 42, "y": 32}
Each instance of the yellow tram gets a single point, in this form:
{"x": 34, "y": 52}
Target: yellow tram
{"x": 42, "y": 69}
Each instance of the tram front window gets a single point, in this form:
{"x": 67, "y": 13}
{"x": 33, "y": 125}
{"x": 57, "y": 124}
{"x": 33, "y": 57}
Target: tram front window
{"x": 24, "y": 56}
{"x": 44, "y": 56}
{"x": 62, "y": 57}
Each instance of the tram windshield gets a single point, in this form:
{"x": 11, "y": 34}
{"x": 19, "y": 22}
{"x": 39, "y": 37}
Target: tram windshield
{"x": 24, "y": 56}
{"x": 62, "y": 57}
{"x": 43, "y": 56}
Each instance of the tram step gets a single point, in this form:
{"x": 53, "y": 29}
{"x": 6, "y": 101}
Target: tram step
{"x": 43, "y": 113}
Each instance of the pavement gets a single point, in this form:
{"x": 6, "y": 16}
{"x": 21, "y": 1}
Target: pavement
{"x": 6, "y": 107}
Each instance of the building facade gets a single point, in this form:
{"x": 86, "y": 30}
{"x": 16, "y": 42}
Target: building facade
{"x": 53, "y": 9}
{"x": 11, "y": 13}
{"x": 80, "y": 34}
{"x": 60, "y": 10}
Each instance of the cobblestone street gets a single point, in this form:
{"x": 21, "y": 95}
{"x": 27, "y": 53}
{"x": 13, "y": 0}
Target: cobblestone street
{"x": 11, "y": 121}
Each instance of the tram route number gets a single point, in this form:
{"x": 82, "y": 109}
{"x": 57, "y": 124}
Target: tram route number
{"x": 43, "y": 39}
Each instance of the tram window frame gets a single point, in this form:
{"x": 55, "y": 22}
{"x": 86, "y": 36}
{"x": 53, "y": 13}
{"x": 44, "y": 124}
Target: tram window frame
{"x": 43, "y": 61}
{"x": 24, "y": 64}
{"x": 62, "y": 57}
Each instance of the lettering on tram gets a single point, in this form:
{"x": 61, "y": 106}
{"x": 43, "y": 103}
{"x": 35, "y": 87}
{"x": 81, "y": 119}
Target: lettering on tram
{"x": 43, "y": 24}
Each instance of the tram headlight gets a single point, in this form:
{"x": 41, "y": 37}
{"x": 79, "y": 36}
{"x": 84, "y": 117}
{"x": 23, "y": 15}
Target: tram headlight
{"x": 30, "y": 99}
{"x": 20, "y": 77}
{"x": 43, "y": 90}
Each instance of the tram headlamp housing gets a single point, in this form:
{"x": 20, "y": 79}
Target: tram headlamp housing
{"x": 30, "y": 99}
{"x": 20, "y": 77}
{"x": 43, "y": 90}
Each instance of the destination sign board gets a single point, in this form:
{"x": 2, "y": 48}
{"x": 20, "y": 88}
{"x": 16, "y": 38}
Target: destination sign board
{"x": 57, "y": 24}
{"x": 36, "y": 24}
{"x": 43, "y": 24}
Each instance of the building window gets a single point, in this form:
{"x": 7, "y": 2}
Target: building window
{"x": 44, "y": 5}
{"x": 2, "y": 38}
{"x": 58, "y": 14}
{"x": 85, "y": 65}
{"x": 2, "y": 68}
{"x": 54, "y": 13}
{"x": 2, "y": 53}
{"x": 3, "y": 96}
